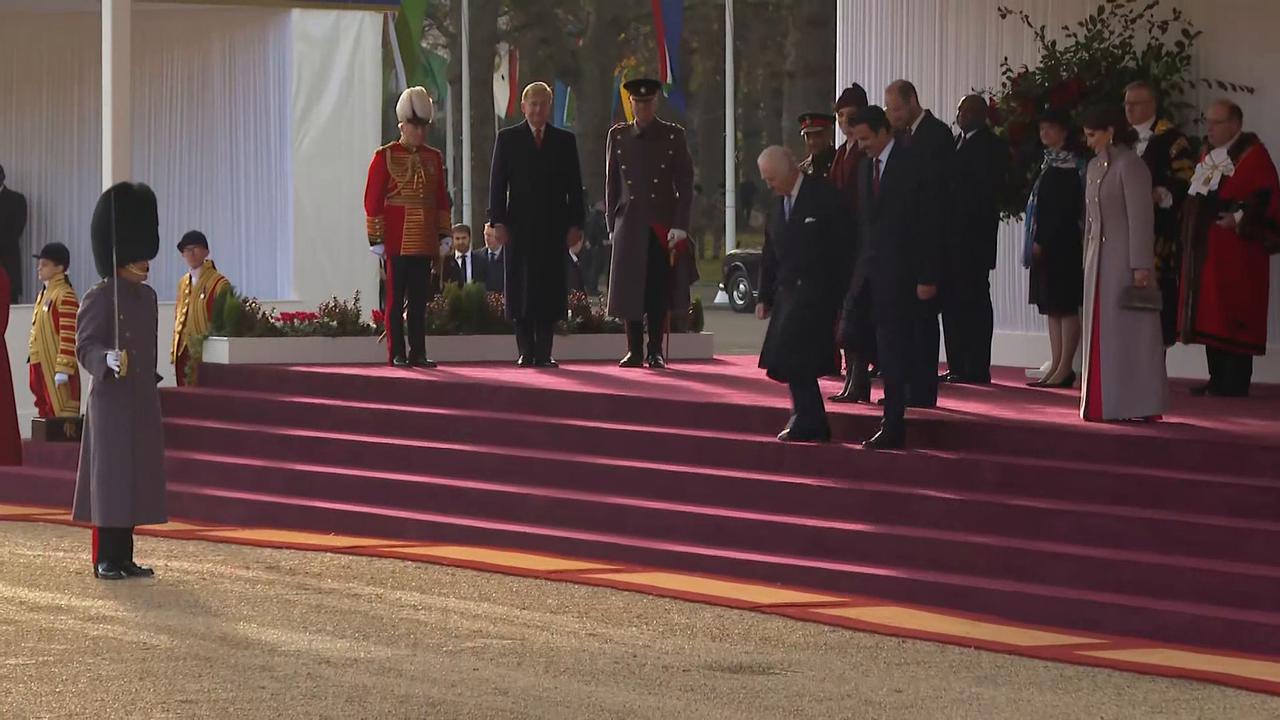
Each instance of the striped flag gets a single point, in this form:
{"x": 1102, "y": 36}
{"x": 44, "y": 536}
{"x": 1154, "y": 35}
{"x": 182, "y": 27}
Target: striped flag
{"x": 506, "y": 80}
{"x": 668, "y": 25}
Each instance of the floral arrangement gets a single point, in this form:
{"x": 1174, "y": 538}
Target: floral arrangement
{"x": 1092, "y": 63}
{"x": 588, "y": 317}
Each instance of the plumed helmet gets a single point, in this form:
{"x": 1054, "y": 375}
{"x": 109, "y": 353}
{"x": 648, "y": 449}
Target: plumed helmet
{"x": 127, "y": 213}
{"x": 415, "y": 106}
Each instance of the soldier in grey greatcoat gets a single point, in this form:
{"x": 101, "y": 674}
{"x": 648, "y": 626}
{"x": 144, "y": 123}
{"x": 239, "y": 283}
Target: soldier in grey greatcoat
{"x": 120, "y": 483}
{"x": 648, "y": 200}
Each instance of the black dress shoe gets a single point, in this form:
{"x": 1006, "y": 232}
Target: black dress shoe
{"x": 108, "y": 571}
{"x": 657, "y": 362}
{"x": 524, "y": 361}
{"x": 546, "y": 363}
{"x": 133, "y": 569}
{"x": 914, "y": 404}
{"x": 399, "y": 361}
{"x": 886, "y": 440}
{"x": 796, "y": 436}
{"x": 631, "y": 360}
{"x": 422, "y": 362}
{"x": 1210, "y": 391}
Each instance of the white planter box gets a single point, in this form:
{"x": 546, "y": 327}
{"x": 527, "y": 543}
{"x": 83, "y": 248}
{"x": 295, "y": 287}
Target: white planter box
{"x": 444, "y": 348}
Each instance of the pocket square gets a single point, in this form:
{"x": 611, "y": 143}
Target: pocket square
{"x": 810, "y": 219}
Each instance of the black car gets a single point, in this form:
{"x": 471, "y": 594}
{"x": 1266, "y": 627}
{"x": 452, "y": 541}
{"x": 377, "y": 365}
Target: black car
{"x": 740, "y": 279}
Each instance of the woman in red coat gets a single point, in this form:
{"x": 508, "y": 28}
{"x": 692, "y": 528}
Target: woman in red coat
{"x": 10, "y": 438}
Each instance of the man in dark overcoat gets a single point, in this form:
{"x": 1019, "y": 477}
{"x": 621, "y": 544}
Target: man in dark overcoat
{"x": 802, "y": 274}
{"x": 120, "y": 483}
{"x": 536, "y": 206}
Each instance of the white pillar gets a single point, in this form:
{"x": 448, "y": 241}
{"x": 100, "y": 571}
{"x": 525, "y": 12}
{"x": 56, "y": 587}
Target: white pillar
{"x": 466, "y": 112}
{"x": 730, "y": 147}
{"x": 117, "y": 44}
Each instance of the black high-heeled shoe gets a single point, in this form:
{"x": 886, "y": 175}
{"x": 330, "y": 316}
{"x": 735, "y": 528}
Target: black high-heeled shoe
{"x": 1068, "y": 382}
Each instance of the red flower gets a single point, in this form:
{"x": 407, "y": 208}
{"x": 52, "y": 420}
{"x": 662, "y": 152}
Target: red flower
{"x": 1066, "y": 94}
{"x": 379, "y": 317}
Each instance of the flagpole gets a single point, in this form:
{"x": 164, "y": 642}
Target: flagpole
{"x": 730, "y": 147}
{"x": 466, "y": 112}
{"x": 450, "y": 148}
{"x": 730, "y": 137}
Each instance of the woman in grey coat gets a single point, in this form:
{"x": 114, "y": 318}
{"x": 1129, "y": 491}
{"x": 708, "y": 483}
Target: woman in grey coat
{"x": 120, "y": 483}
{"x": 1124, "y": 376}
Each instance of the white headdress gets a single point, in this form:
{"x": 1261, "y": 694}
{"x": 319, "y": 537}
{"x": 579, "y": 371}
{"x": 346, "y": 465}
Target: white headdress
{"x": 415, "y": 104}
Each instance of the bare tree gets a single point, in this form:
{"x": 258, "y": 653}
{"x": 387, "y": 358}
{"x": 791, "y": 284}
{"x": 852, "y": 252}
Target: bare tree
{"x": 810, "y": 76}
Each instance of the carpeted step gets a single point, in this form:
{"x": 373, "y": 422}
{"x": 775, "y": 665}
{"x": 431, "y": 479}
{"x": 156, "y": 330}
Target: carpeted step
{"x": 1081, "y": 480}
{"x": 1165, "y": 620}
{"x": 973, "y": 552}
{"x": 748, "y": 405}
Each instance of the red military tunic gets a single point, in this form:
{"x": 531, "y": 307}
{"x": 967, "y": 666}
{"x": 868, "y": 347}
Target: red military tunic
{"x": 406, "y": 201}
{"x": 1226, "y": 273}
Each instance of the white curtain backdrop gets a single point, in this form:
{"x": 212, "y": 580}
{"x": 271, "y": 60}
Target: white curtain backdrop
{"x": 211, "y": 126}
{"x": 950, "y": 47}
{"x": 253, "y": 125}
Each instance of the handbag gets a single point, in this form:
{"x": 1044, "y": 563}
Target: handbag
{"x": 1142, "y": 298}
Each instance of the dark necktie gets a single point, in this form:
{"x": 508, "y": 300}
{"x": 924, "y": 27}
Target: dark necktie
{"x": 875, "y": 180}
{"x": 537, "y": 137}
{"x": 462, "y": 260}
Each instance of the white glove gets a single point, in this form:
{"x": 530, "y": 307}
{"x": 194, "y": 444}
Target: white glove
{"x": 1165, "y": 198}
{"x": 378, "y": 249}
{"x": 674, "y": 236}
{"x": 113, "y": 361}
{"x": 62, "y": 378}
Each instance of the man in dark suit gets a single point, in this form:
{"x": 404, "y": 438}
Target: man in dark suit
{"x": 13, "y": 220}
{"x": 490, "y": 267}
{"x": 1171, "y": 161}
{"x": 969, "y": 249}
{"x": 898, "y": 257}
{"x": 459, "y": 264}
{"x": 536, "y": 206}
{"x": 931, "y": 143}
{"x": 801, "y": 278}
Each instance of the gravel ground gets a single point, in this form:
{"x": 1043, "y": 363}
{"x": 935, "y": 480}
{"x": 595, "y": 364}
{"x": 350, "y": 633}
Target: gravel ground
{"x": 229, "y": 631}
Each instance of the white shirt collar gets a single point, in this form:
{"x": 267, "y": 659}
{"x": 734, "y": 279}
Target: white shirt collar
{"x": 495, "y": 253}
{"x": 1225, "y": 149}
{"x": 796, "y": 190}
{"x": 461, "y": 253}
{"x": 884, "y": 154}
{"x": 915, "y": 125}
{"x": 195, "y": 274}
{"x": 573, "y": 255}
{"x": 1146, "y": 129}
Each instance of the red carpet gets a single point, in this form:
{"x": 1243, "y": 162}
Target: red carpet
{"x": 1009, "y": 505}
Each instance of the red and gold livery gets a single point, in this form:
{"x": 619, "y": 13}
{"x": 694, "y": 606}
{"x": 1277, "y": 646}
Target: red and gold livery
{"x": 406, "y": 201}
{"x": 52, "y": 350}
